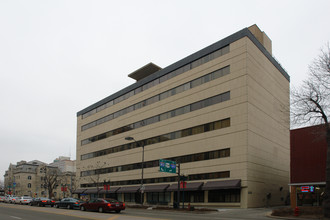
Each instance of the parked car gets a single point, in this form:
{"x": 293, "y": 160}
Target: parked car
{"x": 2, "y": 198}
{"x": 69, "y": 203}
{"x": 103, "y": 205}
{"x": 12, "y": 199}
{"x": 8, "y": 199}
{"x": 24, "y": 200}
{"x": 42, "y": 201}
{"x": 16, "y": 200}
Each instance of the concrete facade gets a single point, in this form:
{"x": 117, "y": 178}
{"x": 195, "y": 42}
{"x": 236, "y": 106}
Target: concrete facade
{"x": 251, "y": 146}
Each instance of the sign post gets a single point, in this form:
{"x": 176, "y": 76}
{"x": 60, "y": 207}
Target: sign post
{"x": 169, "y": 166}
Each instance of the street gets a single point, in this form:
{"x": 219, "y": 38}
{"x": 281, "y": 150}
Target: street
{"x": 11, "y": 211}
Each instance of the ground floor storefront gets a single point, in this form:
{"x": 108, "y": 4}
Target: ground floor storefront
{"x": 307, "y": 194}
{"x": 226, "y": 193}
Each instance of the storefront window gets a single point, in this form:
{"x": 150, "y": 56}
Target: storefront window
{"x": 158, "y": 197}
{"x": 309, "y": 195}
{"x": 225, "y": 195}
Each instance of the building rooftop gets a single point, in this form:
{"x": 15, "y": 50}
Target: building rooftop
{"x": 151, "y": 71}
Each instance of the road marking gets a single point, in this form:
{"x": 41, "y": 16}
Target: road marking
{"x": 15, "y": 217}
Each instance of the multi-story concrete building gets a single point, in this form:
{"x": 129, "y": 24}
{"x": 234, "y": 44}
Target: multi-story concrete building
{"x": 64, "y": 164}
{"x": 28, "y": 178}
{"x": 220, "y": 112}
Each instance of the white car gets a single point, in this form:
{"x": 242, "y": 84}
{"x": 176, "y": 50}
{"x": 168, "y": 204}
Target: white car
{"x": 24, "y": 200}
{"x": 8, "y": 199}
{"x": 13, "y": 199}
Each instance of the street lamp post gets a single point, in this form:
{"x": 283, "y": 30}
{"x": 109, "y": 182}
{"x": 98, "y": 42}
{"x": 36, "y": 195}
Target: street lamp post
{"x": 142, "y": 165}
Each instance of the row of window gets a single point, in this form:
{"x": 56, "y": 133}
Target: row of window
{"x": 155, "y": 163}
{"x": 192, "y": 84}
{"x": 203, "y": 176}
{"x": 168, "y": 76}
{"x": 220, "y": 195}
{"x": 161, "y": 138}
{"x": 157, "y": 118}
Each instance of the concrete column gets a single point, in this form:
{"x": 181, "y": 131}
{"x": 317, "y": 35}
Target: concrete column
{"x": 293, "y": 197}
{"x": 206, "y": 196}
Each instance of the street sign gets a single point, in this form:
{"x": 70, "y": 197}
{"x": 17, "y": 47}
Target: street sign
{"x": 167, "y": 166}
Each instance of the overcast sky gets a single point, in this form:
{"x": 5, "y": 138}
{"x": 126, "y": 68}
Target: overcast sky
{"x": 58, "y": 57}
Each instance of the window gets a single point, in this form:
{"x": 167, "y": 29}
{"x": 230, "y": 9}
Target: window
{"x": 138, "y": 90}
{"x": 164, "y": 116}
{"x": 164, "y": 95}
{"x": 29, "y": 185}
{"x": 158, "y": 197}
{"x": 225, "y": 96}
{"x": 163, "y": 78}
{"x": 29, "y": 177}
{"x": 197, "y": 130}
{"x": 196, "y": 106}
{"x": 191, "y": 196}
{"x": 98, "y": 109}
{"x": 196, "y": 82}
{"x": 196, "y": 63}
{"x": 129, "y": 197}
{"x": 108, "y": 104}
{"x": 186, "y": 86}
{"x": 225, "y": 195}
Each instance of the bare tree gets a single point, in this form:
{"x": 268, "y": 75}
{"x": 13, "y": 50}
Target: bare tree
{"x": 311, "y": 105}
{"x": 50, "y": 179}
{"x": 95, "y": 175}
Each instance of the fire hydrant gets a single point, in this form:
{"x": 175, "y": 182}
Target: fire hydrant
{"x": 296, "y": 211}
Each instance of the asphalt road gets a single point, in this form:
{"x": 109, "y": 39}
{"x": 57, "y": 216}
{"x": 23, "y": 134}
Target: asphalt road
{"x": 13, "y": 212}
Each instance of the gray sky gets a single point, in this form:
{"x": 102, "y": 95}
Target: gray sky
{"x": 58, "y": 57}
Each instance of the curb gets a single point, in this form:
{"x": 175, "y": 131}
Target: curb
{"x": 269, "y": 215}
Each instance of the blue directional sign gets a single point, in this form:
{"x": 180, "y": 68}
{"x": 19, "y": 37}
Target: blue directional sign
{"x": 167, "y": 166}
